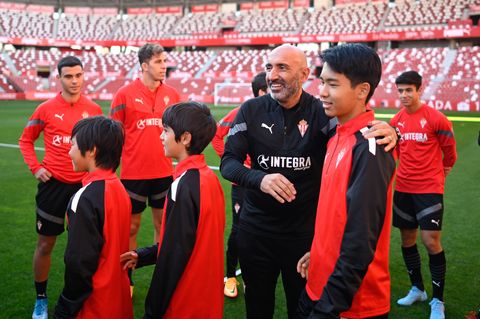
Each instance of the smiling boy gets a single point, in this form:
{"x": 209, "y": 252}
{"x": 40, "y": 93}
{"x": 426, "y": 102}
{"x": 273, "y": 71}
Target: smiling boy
{"x": 347, "y": 266}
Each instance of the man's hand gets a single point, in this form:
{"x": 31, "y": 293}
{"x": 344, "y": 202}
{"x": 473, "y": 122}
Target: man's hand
{"x": 447, "y": 170}
{"x": 382, "y": 129}
{"x": 302, "y": 265}
{"x": 279, "y": 187}
{"x": 42, "y": 175}
{"x": 129, "y": 259}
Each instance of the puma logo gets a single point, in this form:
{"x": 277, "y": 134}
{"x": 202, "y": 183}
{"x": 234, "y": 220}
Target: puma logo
{"x": 268, "y": 127}
{"x": 401, "y": 124}
{"x": 139, "y": 100}
{"x": 436, "y": 283}
{"x": 410, "y": 272}
{"x": 60, "y": 116}
{"x": 436, "y": 222}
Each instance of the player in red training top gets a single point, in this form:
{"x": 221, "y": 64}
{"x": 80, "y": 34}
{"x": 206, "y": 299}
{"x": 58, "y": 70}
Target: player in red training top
{"x": 259, "y": 88}
{"x": 57, "y": 180}
{"x": 187, "y": 279}
{"x": 145, "y": 171}
{"x": 348, "y": 275}
{"x": 427, "y": 154}
{"x": 98, "y": 217}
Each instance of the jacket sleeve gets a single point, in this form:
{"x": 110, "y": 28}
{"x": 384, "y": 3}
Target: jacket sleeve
{"x": 147, "y": 256}
{"x": 223, "y": 126}
{"x": 176, "y": 246}
{"x": 236, "y": 151}
{"x": 444, "y": 131}
{"x": 85, "y": 242}
{"x": 31, "y": 132}
{"x": 118, "y": 107}
{"x": 366, "y": 210}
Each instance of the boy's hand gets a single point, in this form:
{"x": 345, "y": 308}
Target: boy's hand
{"x": 382, "y": 129}
{"x": 302, "y": 265}
{"x": 279, "y": 187}
{"x": 129, "y": 259}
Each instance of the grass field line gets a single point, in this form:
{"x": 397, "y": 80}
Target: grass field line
{"x": 215, "y": 168}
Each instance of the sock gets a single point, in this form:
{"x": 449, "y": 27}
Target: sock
{"x": 413, "y": 263}
{"x": 41, "y": 288}
{"x": 438, "y": 268}
{"x": 130, "y": 276}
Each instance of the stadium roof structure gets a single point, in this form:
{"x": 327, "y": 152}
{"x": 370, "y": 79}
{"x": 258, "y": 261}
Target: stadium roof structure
{"x": 126, "y": 3}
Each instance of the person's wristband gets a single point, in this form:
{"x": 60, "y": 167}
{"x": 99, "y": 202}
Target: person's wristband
{"x": 399, "y": 134}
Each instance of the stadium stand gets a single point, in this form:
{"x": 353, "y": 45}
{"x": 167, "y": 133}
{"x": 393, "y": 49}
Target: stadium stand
{"x": 86, "y": 27}
{"x": 26, "y": 24}
{"x": 200, "y": 24}
{"x": 145, "y": 26}
{"x": 449, "y": 74}
{"x": 271, "y": 21}
{"x": 425, "y": 13}
{"x": 353, "y": 18}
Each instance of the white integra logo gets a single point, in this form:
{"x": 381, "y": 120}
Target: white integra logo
{"x": 141, "y": 124}
{"x": 58, "y": 140}
{"x": 295, "y": 163}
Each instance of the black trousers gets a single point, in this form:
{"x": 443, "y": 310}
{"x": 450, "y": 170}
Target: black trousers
{"x": 232, "y": 250}
{"x": 262, "y": 260}
{"x": 305, "y": 307}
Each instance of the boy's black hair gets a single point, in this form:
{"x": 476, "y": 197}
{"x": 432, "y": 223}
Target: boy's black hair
{"x": 358, "y": 62}
{"x": 147, "y": 51}
{"x": 68, "y": 61}
{"x": 192, "y": 117}
{"x": 104, "y": 135}
{"x": 409, "y": 77}
{"x": 259, "y": 82}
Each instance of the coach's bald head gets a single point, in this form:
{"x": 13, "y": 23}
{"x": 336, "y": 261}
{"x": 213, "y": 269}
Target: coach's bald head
{"x": 286, "y": 70}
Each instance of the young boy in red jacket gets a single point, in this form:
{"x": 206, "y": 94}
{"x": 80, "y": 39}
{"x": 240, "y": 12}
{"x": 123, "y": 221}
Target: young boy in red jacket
{"x": 347, "y": 265}
{"x": 96, "y": 285}
{"x": 188, "y": 277}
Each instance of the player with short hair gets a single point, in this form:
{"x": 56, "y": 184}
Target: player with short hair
{"x": 96, "y": 285}
{"x": 427, "y": 154}
{"x": 259, "y": 88}
{"x": 187, "y": 279}
{"x": 145, "y": 171}
{"x": 347, "y": 266}
{"x": 57, "y": 180}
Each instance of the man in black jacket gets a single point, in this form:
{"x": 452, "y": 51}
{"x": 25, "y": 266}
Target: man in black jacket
{"x": 285, "y": 134}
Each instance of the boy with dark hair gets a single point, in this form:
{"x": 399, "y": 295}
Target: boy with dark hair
{"x": 145, "y": 171}
{"x": 57, "y": 181}
{"x": 188, "y": 258}
{"x": 427, "y": 154}
{"x": 96, "y": 285}
{"x": 259, "y": 88}
{"x": 347, "y": 266}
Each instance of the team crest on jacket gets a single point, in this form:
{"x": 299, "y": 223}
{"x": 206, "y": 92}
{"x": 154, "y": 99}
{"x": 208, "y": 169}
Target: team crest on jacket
{"x": 423, "y": 122}
{"x": 302, "y": 127}
{"x": 166, "y": 99}
{"x": 85, "y": 114}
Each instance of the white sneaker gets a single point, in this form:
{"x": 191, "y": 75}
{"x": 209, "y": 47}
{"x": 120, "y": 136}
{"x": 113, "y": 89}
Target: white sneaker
{"x": 437, "y": 309}
{"x": 413, "y": 296}
{"x": 41, "y": 309}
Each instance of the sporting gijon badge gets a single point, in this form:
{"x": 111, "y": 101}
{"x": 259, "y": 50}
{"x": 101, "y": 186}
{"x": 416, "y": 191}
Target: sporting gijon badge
{"x": 302, "y": 127}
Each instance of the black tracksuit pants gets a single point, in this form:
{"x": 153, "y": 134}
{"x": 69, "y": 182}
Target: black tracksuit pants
{"x": 262, "y": 260}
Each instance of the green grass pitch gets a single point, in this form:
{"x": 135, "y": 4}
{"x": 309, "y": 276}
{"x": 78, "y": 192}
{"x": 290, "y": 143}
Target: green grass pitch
{"x": 461, "y": 237}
